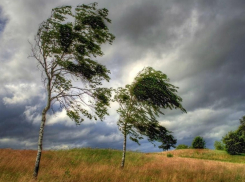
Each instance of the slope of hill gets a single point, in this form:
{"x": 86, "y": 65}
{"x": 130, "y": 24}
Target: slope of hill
{"x": 208, "y": 154}
{"x": 88, "y": 165}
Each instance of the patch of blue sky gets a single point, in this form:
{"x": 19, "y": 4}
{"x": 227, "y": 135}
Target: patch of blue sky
{"x": 3, "y": 20}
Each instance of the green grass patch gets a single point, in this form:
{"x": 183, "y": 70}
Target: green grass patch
{"x": 99, "y": 156}
{"x": 217, "y": 155}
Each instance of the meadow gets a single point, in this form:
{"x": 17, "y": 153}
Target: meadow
{"x": 99, "y": 165}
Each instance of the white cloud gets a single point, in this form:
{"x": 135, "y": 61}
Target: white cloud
{"x": 15, "y": 142}
{"x": 60, "y": 118}
{"x": 59, "y": 147}
{"x": 131, "y": 70}
{"x": 22, "y": 93}
{"x": 7, "y": 140}
{"x": 110, "y": 138}
{"x": 32, "y": 115}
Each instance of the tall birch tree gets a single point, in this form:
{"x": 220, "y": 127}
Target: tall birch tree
{"x": 141, "y": 103}
{"x": 66, "y": 45}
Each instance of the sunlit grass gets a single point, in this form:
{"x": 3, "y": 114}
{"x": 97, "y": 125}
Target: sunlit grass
{"x": 95, "y": 165}
{"x": 218, "y": 155}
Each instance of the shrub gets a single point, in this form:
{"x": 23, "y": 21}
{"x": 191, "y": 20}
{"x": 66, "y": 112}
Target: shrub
{"x": 198, "y": 143}
{"x": 182, "y": 146}
{"x": 169, "y": 155}
{"x": 219, "y": 145}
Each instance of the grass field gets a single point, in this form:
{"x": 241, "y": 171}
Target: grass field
{"x": 95, "y": 165}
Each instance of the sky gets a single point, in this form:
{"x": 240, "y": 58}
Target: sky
{"x": 199, "y": 44}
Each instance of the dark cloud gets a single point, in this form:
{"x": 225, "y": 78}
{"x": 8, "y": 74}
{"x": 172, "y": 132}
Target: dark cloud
{"x": 138, "y": 21}
{"x": 148, "y": 25}
{"x": 198, "y": 44}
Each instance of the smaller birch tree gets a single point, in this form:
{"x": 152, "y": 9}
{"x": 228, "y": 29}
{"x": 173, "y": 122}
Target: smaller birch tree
{"x": 65, "y": 47}
{"x": 140, "y": 104}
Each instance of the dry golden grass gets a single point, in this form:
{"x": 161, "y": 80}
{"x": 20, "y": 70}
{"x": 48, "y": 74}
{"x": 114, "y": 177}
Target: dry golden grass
{"x": 96, "y": 165}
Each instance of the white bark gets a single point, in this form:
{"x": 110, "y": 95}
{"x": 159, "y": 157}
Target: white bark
{"x": 124, "y": 146}
{"x": 40, "y": 139}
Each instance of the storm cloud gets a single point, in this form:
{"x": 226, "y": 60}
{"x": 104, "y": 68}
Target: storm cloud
{"x": 198, "y": 44}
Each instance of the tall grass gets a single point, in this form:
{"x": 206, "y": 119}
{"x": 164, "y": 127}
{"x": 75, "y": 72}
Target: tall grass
{"x": 218, "y": 155}
{"x": 97, "y": 165}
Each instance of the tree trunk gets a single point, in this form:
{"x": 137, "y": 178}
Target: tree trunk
{"x": 124, "y": 148}
{"x": 40, "y": 143}
{"x": 40, "y": 139}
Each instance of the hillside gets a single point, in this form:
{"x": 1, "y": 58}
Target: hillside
{"x": 88, "y": 165}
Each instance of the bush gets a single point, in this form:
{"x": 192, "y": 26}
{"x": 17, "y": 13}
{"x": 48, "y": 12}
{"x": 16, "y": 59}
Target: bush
{"x": 234, "y": 143}
{"x": 219, "y": 145}
{"x": 169, "y": 155}
{"x": 198, "y": 143}
{"x": 182, "y": 146}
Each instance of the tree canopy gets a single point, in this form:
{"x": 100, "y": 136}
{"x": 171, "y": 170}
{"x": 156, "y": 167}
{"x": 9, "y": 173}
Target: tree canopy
{"x": 153, "y": 87}
{"x": 66, "y": 45}
{"x": 234, "y": 143}
{"x": 235, "y": 140}
{"x": 198, "y": 143}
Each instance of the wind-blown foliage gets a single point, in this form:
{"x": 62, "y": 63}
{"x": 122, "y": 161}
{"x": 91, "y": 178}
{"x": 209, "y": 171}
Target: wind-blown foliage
{"x": 154, "y": 88}
{"x": 140, "y": 105}
{"x": 65, "y": 47}
{"x": 155, "y": 132}
{"x": 167, "y": 141}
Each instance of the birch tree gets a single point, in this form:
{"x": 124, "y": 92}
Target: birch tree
{"x": 141, "y": 103}
{"x": 66, "y": 45}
